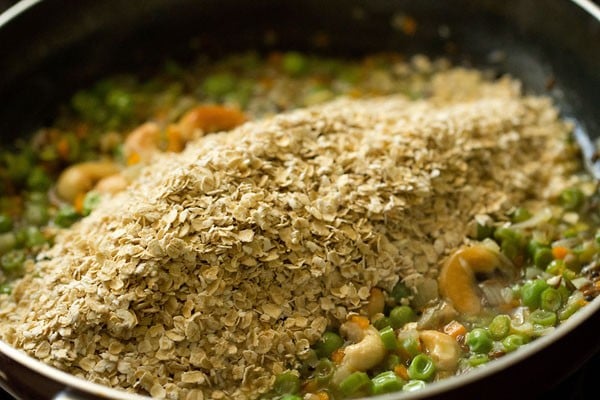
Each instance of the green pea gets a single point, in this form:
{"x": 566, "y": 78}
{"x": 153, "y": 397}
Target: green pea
{"x": 542, "y": 257}
{"x": 388, "y": 337}
{"x": 400, "y": 315}
{"x": 8, "y": 241}
{"x": 386, "y": 382}
{"x": 36, "y": 214}
{"x": 12, "y": 261}
{"x": 421, "y": 368}
{"x": 286, "y": 383}
{"x": 218, "y": 84}
{"x": 324, "y": 370}
{"x": 6, "y": 223}
{"x": 294, "y": 63}
{"x": 330, "y": 342}
{"x": 400, "y": 291}
{"x": 479, "y": 340}
{"x": 381, "y": 323}
{"x": 520, "y": 215}
{"x": 38, "y": 180}
{"x": 513, "y": 342}
{"x": 5, "y": 288}
{"x": 499, "y": 328}
{"x": 572, "y": 199}
{"x": 356, "y": 384}
{"x": 531, "y": 293}
{"x": 33, "y": 237}
{"x": 66, "y": 216}
{"x": 556, "y": 267}
{"x": 551, "y": 300}
{"x": 543, "y": 317}
{"x": 413, "y": 385}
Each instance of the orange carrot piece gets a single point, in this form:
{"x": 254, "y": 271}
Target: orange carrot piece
{"x": 63, "y": 148}
{"x": 78, "y": 202}
{"x": 401, "y": 371}
{"x": 174, "y": 140}
{"x": 362, "y": 322}
{"x": 337, "y": 356}
{"x": 323, "y": 395}
{"x": 560, "y": 252}
{"x": 455, "y": 329}
{"x": 133, "y": 158}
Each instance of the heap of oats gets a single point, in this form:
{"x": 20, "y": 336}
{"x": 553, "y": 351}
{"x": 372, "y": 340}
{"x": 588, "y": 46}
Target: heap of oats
{"x": 220, "y": 266}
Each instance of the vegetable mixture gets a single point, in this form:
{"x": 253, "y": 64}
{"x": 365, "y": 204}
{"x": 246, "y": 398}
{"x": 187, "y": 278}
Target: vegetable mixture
{"x": 517, "y": 277}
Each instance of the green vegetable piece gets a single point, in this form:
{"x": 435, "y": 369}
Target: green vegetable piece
{"x": 499, "y": 328}
{"x": 421, "y": 368}
{"x": 572, "y": 199}
{"x": 484, "y": 231}
{"x": 12, "y": 261}
{"x": 413, "y": 385}
{"x": 520, "y": 215}
{"x": 387, "y": 382}
{"x": 388, "y": 337}
{"x": 330, "y": 342}
{"x": 542, "y": 257}
{"x": 324, "y": 370}
{"x": 531, "y": 293}
{"x": 90, "y": 202}
{"x": 8, "y": 241}
{"x": 18, "y": 166}
{"x": 38, "y": 180}
{"x": 551, "y": 300}
{"x": 290, "y": 397}
{"x": 392, "y": 361}
{"x": 356, "y": 384}
{"x": 33, "y": 237}
{"x": 36, "y": 214}
{"x": 400, "y": 291}
{"x": 572, "y": 306}
{"x": 409, "y": 346}
{"x": 6, "y": 223}
{"x": 543, "y": 317}
{"x": 381, "y": 323}
{"x": 504, "y": 233}
{"x": 513, "y": 342}
{"x": 556, "y": 267}
{"x": 400, "y": 315}
{"x": 66, "y": 216}
{"x": 478, "y": 359}
{"x": 286, "y": 383}
{"x": 219, "y": 84}
{"x": 294, "y": 63}
{"x": 479, "y": 340}
{"x": 5, "y": 288}
{"x": 120, "y": 102}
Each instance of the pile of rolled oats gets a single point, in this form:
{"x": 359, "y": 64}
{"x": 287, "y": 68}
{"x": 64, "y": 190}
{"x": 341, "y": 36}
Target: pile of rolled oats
{"x": 220, "y": 266}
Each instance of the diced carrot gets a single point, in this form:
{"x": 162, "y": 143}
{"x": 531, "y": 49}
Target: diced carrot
{"x": 310, "y": 386}
{"x": 337, "y": 356}
{"x": 323, "y": 395}
{"x": 455, "y": 329}
{"x": 211, "y": 118}
{"x": 78, "y": 202}
{"x": 174, "y": 140}
{"x": 560, "y": 252}
{"x": 133, "y": 158}
{"x": 362, "y": 322}
{"x": 63, "y": 148}
{"x": 401, "y": 371}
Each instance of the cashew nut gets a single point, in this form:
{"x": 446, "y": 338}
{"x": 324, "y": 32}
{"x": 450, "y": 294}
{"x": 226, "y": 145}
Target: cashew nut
{"x": 457, "y": 281}
{"x": 442, "y": 348}
{"x": 82, "y": 177}
{"x": 210, "y": 118}
{"x": 361, "y": 356}
{"x": 112, "y": 184}
{"x": 142, "y": 141}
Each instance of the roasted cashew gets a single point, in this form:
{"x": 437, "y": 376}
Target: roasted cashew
{"x": 112, "y": 184}
{"x": 208, "y": 119}
{"x": 443, "y": 349}
{"x": 457, "y": 280}
{"x": 142, "y": 141}
{"x": 80, "y": 178}
{"x": 363, "y": 355}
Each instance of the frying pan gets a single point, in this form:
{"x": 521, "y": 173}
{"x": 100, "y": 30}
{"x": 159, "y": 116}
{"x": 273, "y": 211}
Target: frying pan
{"x": 50, "y": 48}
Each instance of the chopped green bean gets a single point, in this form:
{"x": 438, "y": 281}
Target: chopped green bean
{"x": 543, "y": 317}
{"x": 387, "y": 382}
{"x": 358, "y": 383}
{"x": 520, "y": 215}
{"x": 381, "y": 323}
{"x": 409, "y": 346}
{"x": 286, "y": 383}
{"x": 499, "y": 328}
{"x": 542, "y": 257}
{"x": 551, "y": 300}
{"x": 388, "y": 337}
{"x": 421, "y": 368}
{"x": 478, "y": 359}
{"x": 413, "y": 385}
{"x": 324, "y": 370}
{"x": 531, "y": 293}
{"x": 513, "y": 342}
